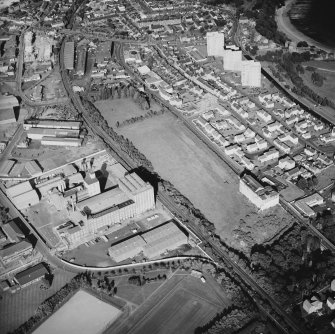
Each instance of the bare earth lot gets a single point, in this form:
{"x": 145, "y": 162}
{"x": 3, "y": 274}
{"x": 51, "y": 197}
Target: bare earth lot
{"x": 17, "y": 308}
{"x": 180, "y": 157}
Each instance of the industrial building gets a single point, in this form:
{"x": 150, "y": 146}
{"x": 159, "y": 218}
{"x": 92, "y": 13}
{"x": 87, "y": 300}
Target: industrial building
{"x": 54, "y": 141}
{"x": 6, "y": 167}
{"x": 73, "y": 125}
{"x": 69, "y": 55}
{"x": 8, "y": 103}
{"x": 15, "y": 251}
{"x": 31, "y": 275}
{"x": 232, "y": 59}
{"x": 23, "y": 195}
{"x": 215, "y": 43}
{"x": 264, "y": 197}
{"x": 251, "y": 73}
{"x": 152, "y": 243}
{"x": 39, "y": 133}
{"x": 127, "y": 249}
{"x": 306, "y": 204}
{"x": 130, "y": 197}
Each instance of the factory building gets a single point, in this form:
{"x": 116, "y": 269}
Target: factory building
{"x": 23, "y": 195}
{"x": 6, "y": 167}
{"x": 306, "y": 204}
{"x": 39, "y": 133}
{"x": 92, "y": 184}
{"x": 33, "y": 168}
{"x": 54, "y": 141}
{"x": 264, "y": 197}
{"x": 163, "y": 238}
{"x": 215, "y": 43}
{"x": 72, "y": 125}
{"x": 69, "y": 55}
{"x": 139, "y": 191}
{"x": 232, "y": 59}
{"x": 8, "y": 103}
{"x": 16, "y": 251}
{"x": 152, "y": 243}
{"x": 127, "y": 249}
{"x": 31, "y": 275}
{"x": 251, "y": 73}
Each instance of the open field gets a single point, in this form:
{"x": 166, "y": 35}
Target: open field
{"x": 200, "y": 175}
{"x": 180, "y": 305}
{"x": 17, "y": 308}
{"x": 119, "y": 110}
{"x": 328, "y": 87}
{"x": 82, "y": 313}
{"x": 326, "y": 65}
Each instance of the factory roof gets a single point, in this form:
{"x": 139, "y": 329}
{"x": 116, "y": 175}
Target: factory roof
{"x": 31, "y": 274}
{"x": 18, "y": 189}
{"x": 13, "y": 249}
{"x": 8, "y": 101}
{"x": 104, "y": 200}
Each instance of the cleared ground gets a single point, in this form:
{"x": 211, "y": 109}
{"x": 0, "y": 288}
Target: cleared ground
{"x": 179, "y": 305}
{"x": 180, "y": 157}
{"x": 17, "y": 308}
{"x": 83, "y": 313}
{"x": 119, "y": 110}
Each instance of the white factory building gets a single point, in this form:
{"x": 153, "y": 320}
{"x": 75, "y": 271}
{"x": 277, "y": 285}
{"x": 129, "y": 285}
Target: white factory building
{"x": 264, "y": 197}
{"x": 215, "y": 43}
{"x": 251, "y": 73}
{"x": 232, "y": 59}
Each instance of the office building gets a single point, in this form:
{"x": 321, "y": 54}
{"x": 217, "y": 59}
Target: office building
{"x": 251, "y": 73}
{"x": 215, "y": 43}
{"x": 232, "y": 59}
{"x": 264, "y": 197}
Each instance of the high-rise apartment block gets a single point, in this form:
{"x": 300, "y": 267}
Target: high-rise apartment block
{"x": 232, "y": 59}
{"x": 215, "y": 43}
{"x": 251, "y": 73}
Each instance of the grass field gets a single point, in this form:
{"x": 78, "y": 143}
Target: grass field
{"x": 119, "y": 110}
{"x": 180, "y": 157}
{"x": 17, "y": 308}
{"x": 328, "y": 87}
{"x": 82, "y": 313}
{"x": 179, "y": 305}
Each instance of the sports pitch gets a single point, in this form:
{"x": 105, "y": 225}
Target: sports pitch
{"x": 83, "y": 313}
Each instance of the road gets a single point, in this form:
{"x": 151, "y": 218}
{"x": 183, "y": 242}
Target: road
{"x": 16, "y": 137}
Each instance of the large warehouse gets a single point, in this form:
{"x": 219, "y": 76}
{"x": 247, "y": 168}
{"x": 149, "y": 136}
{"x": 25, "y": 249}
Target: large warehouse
{"x": 152, "y": 243}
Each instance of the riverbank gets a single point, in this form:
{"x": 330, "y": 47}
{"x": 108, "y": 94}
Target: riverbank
{"x": 285, "y": 26}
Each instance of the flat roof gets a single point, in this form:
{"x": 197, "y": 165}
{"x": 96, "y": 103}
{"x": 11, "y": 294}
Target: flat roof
{"x": 104, "y": 200}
